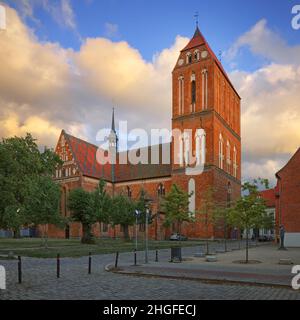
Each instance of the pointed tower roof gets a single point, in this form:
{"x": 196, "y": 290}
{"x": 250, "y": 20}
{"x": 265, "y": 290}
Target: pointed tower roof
{"x": 113, "y": 128}
{"x": 196, "y": 41}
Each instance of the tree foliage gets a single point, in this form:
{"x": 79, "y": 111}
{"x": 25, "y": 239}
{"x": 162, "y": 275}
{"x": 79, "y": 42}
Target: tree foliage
{"x": 176, "y": 207}
{"x": 21, "y": 166}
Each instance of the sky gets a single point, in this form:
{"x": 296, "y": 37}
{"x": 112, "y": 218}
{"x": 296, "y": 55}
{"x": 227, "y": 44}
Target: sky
{"x": 65, "y": 63}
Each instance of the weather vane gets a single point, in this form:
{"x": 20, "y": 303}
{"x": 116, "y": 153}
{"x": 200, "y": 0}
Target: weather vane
{"x": 196, "y": 15}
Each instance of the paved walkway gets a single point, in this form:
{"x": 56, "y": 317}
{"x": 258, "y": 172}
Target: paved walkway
{"x": 267, "y": 272}
{"x": 40, "y": 282}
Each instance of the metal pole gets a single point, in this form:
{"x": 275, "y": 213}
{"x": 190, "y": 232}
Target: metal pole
{"x": 156, "y": 256}
{"x": 136, "y": 232}
{"x": 117, "y": 258}
{"x": 58, "y": 266}
{"x": 19, "y": 269}
{"x": 146, "y": 237}
{"x": 135, "y": 257}
{"x": 90, "y": 263}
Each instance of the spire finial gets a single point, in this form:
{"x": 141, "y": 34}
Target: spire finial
{"x": 113, "y": 120}
{"x": 196, "y": 16}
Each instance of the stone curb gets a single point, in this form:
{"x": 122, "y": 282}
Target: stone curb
{"x": 205, "y": 280}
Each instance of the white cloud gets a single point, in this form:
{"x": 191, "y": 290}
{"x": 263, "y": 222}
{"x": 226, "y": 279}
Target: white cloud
{"x": 43, "y": 83}
{"x": 270, "y": 101}
{"x": 111, "y": 30}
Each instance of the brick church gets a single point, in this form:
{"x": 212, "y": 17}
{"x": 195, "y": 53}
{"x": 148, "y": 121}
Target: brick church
{"x": 203, "y": 100}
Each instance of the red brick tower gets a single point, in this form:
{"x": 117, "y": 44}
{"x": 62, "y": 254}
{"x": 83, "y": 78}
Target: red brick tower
{"x": 204, "y": 98}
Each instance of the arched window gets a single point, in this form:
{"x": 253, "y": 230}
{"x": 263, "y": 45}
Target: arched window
{"x": 192, "y": 204}
{"x": 197, "y": 55}
{"x": 186, "y": 139}
{"x": 188, "y": 58}
{"x": 200, "y": 138}
{"x": 128, "y": 192}
{"x": 221, "y": 155}
{"x": 181, "y": 95}
{"x": 204, "y": 89}
{"x": 228, "y": 156}
{"x": 161, "y": 190}
{"x": 181, "y": 149}
{"x": 234, "y": 163}
{"x": 193, "y": 94}
{"x": 229, "y": 191}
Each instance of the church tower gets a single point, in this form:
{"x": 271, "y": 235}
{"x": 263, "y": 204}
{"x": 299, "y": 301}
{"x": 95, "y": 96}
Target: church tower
{"x": 206, "y": 112}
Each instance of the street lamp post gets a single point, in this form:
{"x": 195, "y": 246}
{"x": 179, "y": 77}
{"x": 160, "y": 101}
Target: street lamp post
{"x": 136, "y": 228}
{"x": 146, "y": 236}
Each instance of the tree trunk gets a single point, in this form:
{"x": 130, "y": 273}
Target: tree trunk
{"x": 16, "y": 233}
{"x": 87, "y": 236}
{"x": 247, "y": 245}
{"x": 126, "y": 232}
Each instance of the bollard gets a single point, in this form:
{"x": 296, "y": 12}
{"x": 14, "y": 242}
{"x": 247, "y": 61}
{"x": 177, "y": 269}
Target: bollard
{"x": 117, "y": 258}
{"x": 156, "y": 256}
{"x": 19, "y": 269}
{"x": 90, "y": 263}
{"x": 58, "y": 266}
{"x": 135, "y": 257}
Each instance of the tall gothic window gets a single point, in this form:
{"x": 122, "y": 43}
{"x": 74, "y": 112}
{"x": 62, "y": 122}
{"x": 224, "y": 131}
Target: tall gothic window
{"x": 188, "y": 58}
{"x": 128, "y": 192}
{"x": 197, "y": 55}
{"x": 181, "y": 95}
{"x": 204, "y": 89}
{"x": 200, "y": 146}
{"x": 221, "y": 154}
{"x": 228, "y": 157}
{"x": 193, "y": 92}
{"x": 186, "y": 139}
{"x": 234, "y": 163}
{"x": 161, "y": 190}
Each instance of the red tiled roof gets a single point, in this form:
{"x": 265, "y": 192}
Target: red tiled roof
{"x": 85, "y": 156}
{"x": 269, "y": 196}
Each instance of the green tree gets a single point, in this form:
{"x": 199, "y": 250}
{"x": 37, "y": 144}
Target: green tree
{"x": 21, "y": 162}
{"x": 123, "y": 213}
{"x": 249, "y": 211}
{"x": 208, "y": 213}
{"x": 176, "y": 207}
{"x": 43, "y": 204}
{"x": 102, "y": 203}
{"x": 81, "y": 205}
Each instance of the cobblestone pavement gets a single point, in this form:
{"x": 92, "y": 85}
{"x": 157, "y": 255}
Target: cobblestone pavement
{"x": 40, "y": 282}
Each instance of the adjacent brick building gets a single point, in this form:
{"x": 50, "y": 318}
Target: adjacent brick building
{"x": 203, "y": 101}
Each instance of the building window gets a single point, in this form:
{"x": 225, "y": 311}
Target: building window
{"x": 181, "y": 95}
{"x": 204, "y": 89}
{"x": 192, "y": 204}
{"x": 188, "y": 58}
{"x": 193, "y": 94}
{"x": 228, "y": 157}
{"x": 221, "y": 155}
{"x": 200, "y": 138}
{"x": 234, "y": 163}
{"x": 186, "y": 139}
{"x": 181, "y": 150}
{"x": 161, "y": 190}
{"x": 142, "y": 227}
{"x": 128, "y": 192}
{"x": 197, "y": 55}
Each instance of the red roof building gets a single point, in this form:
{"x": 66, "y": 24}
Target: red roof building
{"x": 203, "y": 100}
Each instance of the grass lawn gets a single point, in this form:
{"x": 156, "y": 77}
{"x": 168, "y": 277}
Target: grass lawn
{"x": 34, "y": 247}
